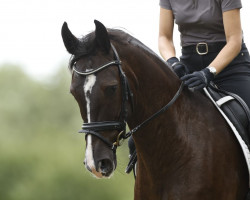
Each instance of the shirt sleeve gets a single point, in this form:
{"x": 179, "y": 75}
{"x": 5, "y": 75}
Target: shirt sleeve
{"x": 165, "y": 4}
{"x": 227, "y": 5}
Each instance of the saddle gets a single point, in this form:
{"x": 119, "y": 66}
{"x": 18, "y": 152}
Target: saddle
{"x": 235, "y": 109}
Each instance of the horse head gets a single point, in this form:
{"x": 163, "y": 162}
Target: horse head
{"x": 101, "y": 90}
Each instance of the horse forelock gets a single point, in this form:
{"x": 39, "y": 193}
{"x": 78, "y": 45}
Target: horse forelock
{"x": 86, "y": 47}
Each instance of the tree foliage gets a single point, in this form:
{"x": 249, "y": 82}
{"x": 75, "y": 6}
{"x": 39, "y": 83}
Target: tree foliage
{"x": 40, "y": 154}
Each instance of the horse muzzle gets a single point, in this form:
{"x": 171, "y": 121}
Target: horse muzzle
{"x": 101, "y": 169}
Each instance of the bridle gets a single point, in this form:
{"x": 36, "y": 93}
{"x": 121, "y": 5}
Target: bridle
{"x": 93, "y": 128}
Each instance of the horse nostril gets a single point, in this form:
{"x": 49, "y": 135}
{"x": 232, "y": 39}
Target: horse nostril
{"x": 105, "y": 166}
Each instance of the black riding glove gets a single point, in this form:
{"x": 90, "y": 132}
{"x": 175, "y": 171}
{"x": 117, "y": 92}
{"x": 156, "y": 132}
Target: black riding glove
{"x": 198, "y": 80}
{"x": 179, "y": 68}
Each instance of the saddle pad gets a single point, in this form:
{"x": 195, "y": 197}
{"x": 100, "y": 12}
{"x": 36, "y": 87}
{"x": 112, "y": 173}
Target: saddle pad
{"x": 243, "y": 143}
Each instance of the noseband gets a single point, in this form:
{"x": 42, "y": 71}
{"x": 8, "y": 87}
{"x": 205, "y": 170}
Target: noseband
{"x": 93, "y": 128}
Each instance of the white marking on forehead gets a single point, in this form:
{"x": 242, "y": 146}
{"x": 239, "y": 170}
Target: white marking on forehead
{"x": 88, "y": 85}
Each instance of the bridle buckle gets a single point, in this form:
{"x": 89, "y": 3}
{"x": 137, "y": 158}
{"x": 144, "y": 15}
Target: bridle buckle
{"x": 202, "y": 44}
{"x": 119, "y": 140}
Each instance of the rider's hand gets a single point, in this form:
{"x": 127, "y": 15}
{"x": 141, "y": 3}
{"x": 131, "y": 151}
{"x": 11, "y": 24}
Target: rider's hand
{"x": 199, "y": 79}
{"x": 179, "y": 68}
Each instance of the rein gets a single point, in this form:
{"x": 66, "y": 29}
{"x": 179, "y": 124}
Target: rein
{"x": 163, "y": 109}
{"x": 92, "y": 128}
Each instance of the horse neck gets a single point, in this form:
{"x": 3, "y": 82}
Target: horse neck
{"x": 152, "y": 82}
{"x": 153, "y": 85}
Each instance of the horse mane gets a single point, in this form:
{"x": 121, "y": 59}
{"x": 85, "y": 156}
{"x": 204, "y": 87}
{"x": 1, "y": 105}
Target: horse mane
{"x": 125, "y": 38}
{"x": 88, "y": 45}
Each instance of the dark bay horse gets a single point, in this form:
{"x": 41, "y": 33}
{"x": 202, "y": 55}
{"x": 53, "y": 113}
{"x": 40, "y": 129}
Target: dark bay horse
{"x": 187, "y": 153}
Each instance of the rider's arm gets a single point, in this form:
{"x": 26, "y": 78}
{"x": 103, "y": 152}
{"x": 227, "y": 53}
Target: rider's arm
{"x": 233, "y": 31}
{"x": 165, "y": 39}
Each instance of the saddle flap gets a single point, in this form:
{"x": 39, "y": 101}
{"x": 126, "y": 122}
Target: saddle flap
{"x": 235, "y": 109}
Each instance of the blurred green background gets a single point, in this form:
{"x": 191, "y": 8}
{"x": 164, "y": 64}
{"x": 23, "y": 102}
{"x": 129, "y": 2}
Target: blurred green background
{"x": 41, "y": 154}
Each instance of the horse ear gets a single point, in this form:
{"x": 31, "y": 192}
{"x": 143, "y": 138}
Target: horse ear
{"x": 102, "y": 37}
{"x": 70, "y": 41}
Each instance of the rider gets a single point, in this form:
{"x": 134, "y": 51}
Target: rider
{"x": 212, "y": 45}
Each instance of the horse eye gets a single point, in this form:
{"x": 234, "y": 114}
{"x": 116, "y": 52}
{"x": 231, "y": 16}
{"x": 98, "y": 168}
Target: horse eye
{"x": 110, "y": 90}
